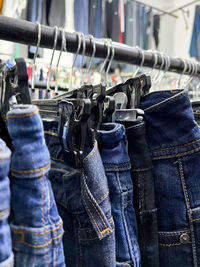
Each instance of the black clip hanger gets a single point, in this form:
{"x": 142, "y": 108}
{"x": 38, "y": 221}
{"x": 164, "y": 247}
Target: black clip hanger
{"x": 109, "y": 108}
{"x": 75, "y": 112}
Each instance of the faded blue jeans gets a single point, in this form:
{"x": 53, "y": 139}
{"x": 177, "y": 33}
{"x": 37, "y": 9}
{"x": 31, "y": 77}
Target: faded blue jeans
{"x": 173, "y": 137}
{"x": 117, "y": 167}
{"x": 82, "y": 198}
{"x": 36, "y": 228}
{"x": 6, "y": 255}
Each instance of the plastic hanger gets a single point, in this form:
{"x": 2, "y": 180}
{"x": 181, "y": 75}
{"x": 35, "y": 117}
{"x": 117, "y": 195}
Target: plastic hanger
{"x": 142, "y": 61}
{"x": 106, "y": 59}
{"x": 111, "y": 59}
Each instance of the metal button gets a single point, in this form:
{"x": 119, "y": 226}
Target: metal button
{"x": 184, "y": 238}
{"x": 126, "y": 265}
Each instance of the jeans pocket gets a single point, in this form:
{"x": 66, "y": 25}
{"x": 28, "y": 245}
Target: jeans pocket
{"x": 175, "y": 248}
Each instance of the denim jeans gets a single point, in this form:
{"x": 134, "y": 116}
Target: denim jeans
{"x": 117, "y": 167}
{"x": 82, "y": 199}
{"x": 36, "y": 228}
{"x": 144, "y": 195}
{"x": 6, "y": 255}
{"x": 174, "y": 139}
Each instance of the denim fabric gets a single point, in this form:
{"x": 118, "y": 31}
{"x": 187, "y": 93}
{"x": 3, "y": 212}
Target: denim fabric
{"x": 36, "y": 227}
{"x": 6, "y": 255}
{"x": 174, "y": 139}
{"x": 144, "y": 194}
{"x": 83, "y": 203}
{"x": 117, "y": 167}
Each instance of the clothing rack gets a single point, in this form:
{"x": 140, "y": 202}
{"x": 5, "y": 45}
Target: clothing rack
{"x": 25, "y": 32}
{"x": 183, "y": 6}
{"x": 156, "y": 9}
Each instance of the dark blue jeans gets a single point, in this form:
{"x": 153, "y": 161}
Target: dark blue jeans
{"x": 82, "y": 198}
{"x": 6, "y": 255}
{"x": 37, "y": 229}
{"x": 144, "y": 194}
{"x": 117, "y": 167}
{"x": 174, "y": 139}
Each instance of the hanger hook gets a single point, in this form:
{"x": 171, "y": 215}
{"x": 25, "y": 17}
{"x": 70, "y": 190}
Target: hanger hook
{"x": 35, "y": 56}
{"x": 183, "y": 72}
{"x": 92, "y": 40}
{"x": 157, "y": 76}
{"x": 193, "y": 71}
{"x": 63, "y": 48}
{"x": 155, "y": 62}
{"x": 140, "y": 51}
{"x": 167, "y": 66}
{"x": 75, "y": 57}
{"x": 111, "y": 60}
{"x": 52, "y": 56}
{"x": 83, "y": 55}
{"x": 107, "y": 56}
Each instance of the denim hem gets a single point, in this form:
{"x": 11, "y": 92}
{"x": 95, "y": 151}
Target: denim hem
{"x": 176, "y": 151}
{"x": 22, "y": 111}
{"x": 34, "y": 173}
{"x": 121, "y": 166}
{"x": 180, "y": 93}
{"x": 9, "y": 262}
{"x": 30, "y": 238}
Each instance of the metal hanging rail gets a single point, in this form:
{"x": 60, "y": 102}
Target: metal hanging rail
{"x": 24, "y": 32}
{"x": 164, "y": 12}
{"x": 183, "y": 6}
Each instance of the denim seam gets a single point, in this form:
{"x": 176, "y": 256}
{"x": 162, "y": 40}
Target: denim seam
{"x": 3, "y": 212}
{"x": 39, "y": 246}
{"x": 173, "y": 147}
{"x": 104, "y": 196}
{"x": 176, "y": 155}
{"x": 194, "y": 211}
{"x": 20, "y": 116}
{"x": 94, "y": 238}
{"x": 164, "y": 102}
{"x": 101, "y": 232}
{"x": 173, "y": 244}
{"x": 42, "y": 211}
{"x": 187, "y": 200}
{"x": 61, "y": 160}
{"x": 107, "y": 229}
{"x": 195, "y": 220}
{"x": 125, "y": 225}
{"x": 42, "y": 169}
{"x": 92, "y": 230}
{"x": 20, "y": 231}
{"x": 49, "y": 201}
{"x": 175, "y": 234}
{"x": 92, "y": 153}
{"x": 50, "y": 133}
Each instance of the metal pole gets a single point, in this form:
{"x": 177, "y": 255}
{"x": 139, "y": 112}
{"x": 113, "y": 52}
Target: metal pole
{"x": 184, "y": 6}
{"x": 155, "y": 8}
{"x": 25, "y": 32}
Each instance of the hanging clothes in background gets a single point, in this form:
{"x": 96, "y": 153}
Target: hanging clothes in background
{"x": 53, "y": 14}
{"x": 149, "y": 29}
{"x": 13, "y": 8}
{"x": 121, "y": 20}
{"x": 34, "y": 13}
{"x": 112, "y": 24}
{"x": 95, "y": 14}
{"x": 156, "y": 28}
{"x": 81, "y": 22}
{"x": 195, "y": 41}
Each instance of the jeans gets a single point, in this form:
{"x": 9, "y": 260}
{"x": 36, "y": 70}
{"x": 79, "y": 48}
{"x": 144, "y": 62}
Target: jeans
{"x": 82, "y": 198}
{"x": 117, "y": 167}
{"x": 36, "y": 227}
{"x": 6, "y": 255}
{"x": 144, "y": 195}
{"x": 173, "y": 137}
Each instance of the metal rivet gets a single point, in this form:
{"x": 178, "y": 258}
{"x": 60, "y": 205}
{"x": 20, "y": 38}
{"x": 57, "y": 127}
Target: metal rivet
{"x": 184, "y": 238}
{"x": 126, "y": 265}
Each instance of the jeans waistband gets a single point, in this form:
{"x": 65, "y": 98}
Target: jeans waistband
{"x": 170, "y": 126}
